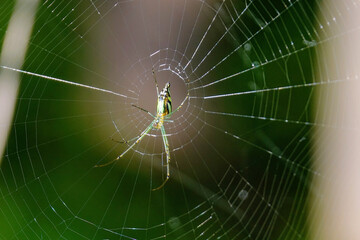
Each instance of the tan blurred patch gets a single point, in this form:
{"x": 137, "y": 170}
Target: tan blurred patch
{"x": 334, "y": 213}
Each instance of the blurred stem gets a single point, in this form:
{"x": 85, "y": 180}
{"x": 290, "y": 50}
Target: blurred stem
{"x": 335, "y": 210}
{"x": 13, "y": 55}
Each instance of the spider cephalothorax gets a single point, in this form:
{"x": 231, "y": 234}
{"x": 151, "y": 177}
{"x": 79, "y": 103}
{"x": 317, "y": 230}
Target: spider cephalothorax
{"x": 164, "y": 112}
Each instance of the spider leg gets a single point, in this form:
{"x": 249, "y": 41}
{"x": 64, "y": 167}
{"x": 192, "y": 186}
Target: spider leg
{"x": 156, "y": 84}
{"x": 167, "y": 120}
{"x": 131, "y": 146}
{"x": 182, "y": 103}
{"x": 143, "y": 110}
{"x": 126, "y": 141}
{"x": 167, "y": 151}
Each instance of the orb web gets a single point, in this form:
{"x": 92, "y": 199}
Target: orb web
{"x": 240, "y": 146}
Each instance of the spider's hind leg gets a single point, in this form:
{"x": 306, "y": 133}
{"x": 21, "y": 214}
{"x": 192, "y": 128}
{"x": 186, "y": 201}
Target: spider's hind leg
{"x": 156, "y": 84}
{"x": 142, "y": 109}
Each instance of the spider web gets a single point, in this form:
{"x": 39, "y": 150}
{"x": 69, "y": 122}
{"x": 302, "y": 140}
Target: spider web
{"x": 240, "y": 146}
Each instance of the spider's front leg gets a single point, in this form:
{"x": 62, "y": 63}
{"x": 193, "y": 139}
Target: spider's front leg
{"x": 126, "y": 141}
{"x": 167, "y": 151}
{"x": 148, "y": 129}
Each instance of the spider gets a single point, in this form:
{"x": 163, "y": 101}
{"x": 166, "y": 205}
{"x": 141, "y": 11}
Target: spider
{"x": 164, "y": 112}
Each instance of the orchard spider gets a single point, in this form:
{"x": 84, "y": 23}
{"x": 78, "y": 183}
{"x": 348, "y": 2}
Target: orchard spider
{"x": 164, "y": 112}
